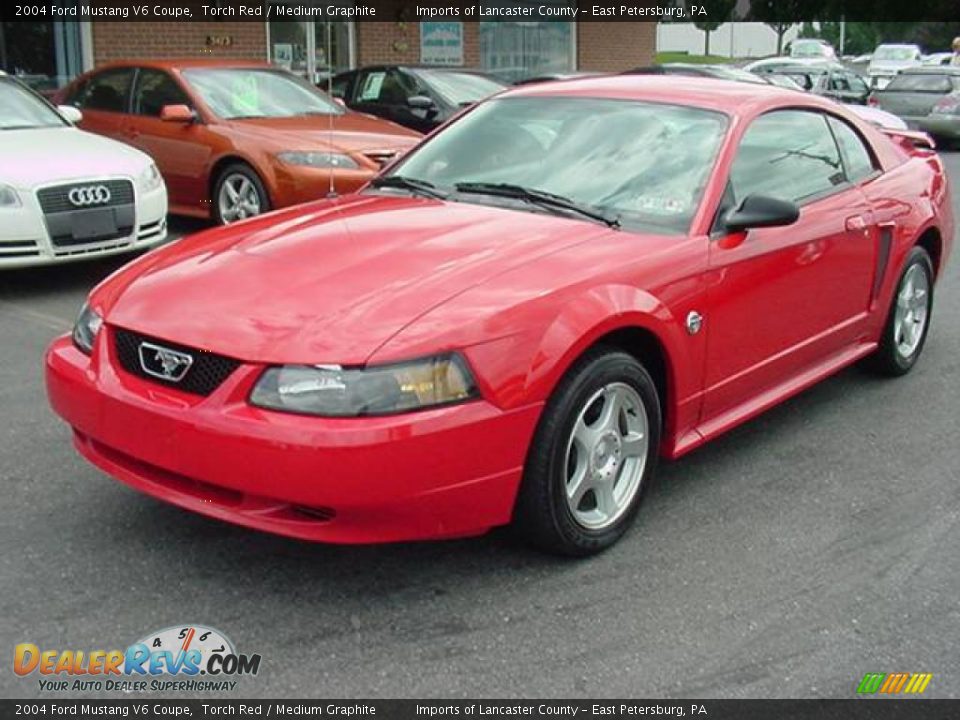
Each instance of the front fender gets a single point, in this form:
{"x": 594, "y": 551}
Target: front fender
{"x": 601, "y": 311}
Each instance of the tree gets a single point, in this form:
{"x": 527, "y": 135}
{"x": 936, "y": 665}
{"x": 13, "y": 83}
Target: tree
{"x": 778, "y": 15}
{"x": 719, "y": 11}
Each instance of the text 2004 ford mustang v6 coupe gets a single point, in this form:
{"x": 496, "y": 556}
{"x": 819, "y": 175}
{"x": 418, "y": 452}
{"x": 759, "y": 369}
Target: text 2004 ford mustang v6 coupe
{"x": 514, "y": 321}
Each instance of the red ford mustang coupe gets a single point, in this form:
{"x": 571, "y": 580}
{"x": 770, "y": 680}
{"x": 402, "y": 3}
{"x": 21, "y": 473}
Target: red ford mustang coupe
{"x": 511, "y": 324}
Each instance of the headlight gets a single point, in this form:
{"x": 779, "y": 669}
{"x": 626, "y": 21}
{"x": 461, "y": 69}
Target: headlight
{"x": 86, "y": 328}
{"x": 8, "y": 197}
{"x": 150, "y": 179}
{"x": 319, "y": 160}
{"x": 333, "y": 391}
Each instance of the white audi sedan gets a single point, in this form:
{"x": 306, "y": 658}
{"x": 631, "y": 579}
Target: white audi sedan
{"x": 66, "y": 194}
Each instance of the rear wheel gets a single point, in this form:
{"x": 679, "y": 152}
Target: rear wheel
{"x": 592, "y": 458}
{"x": 239, "y": 193}
{"x": 909, "y": 318}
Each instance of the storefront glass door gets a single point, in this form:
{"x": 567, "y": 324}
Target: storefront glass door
{"x": 312, "y": 49}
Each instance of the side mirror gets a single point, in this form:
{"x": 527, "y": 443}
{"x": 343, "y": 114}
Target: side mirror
{"x": 71, "y": 114}
{"x": 420, "y": 102}
{"x": 760, "y": 211}
{"x": 177, "y": 113}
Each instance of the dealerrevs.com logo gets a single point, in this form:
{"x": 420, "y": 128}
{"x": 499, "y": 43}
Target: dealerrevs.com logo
{"x": 176, "y": 659}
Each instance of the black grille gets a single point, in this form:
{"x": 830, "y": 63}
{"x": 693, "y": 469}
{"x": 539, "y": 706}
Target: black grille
{"x": 205, "y": 375}
{"x": 55, "y": 200}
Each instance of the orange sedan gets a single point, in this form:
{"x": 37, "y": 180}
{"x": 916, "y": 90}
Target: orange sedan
{"x": 234, "y": 139}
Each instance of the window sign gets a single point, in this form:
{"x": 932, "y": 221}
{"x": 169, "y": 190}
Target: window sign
{"x": 371, "y": 88}
{"x": 283, "y": 55}
{"x": 441, "y": 43}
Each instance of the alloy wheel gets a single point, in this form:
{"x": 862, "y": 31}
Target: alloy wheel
{"x": 912, "y": 312}
{"x": 238, "y": 198}
{"x": 606, "y": 455}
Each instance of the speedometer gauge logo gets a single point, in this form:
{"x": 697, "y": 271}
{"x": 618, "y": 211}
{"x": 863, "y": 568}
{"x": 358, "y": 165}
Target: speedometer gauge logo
{"x": 188, "y": 650}
{"x": 202, "y": 641}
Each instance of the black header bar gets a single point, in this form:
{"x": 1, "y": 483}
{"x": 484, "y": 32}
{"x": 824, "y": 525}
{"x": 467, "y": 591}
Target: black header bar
{"x": 480, "y": 10}
{"x": 879, "y": 709}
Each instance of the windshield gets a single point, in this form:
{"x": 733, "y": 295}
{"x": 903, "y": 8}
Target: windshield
{"x": 644, "y": 163}
{"x": 236, "y": 93}
{"x": 808, "y": 49}
{"x": 894, "y": 53}
{"x": 461, "y": 88}
{"x": 921, "y": 82}
{"x": 20, "y": 109}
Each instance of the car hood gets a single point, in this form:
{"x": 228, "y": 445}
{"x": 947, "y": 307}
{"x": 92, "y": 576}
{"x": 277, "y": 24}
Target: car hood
{"x": 350, "y": 132}
{"x": 328, "y": 282}
{"x": 49, "y": 155}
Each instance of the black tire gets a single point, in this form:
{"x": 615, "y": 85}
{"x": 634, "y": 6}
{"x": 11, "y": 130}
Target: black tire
{"x": 244, "y": 170}
{"x": 888, "y": 358}
{"x": 542, "y": 515}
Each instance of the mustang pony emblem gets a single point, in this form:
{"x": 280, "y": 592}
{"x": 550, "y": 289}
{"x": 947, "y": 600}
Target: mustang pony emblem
{"x": 164, "y": 363}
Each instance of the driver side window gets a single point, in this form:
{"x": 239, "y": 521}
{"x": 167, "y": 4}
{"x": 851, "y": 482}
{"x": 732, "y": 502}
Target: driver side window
{"x": 154, "y": 90}
{"x": 787, "y": 154}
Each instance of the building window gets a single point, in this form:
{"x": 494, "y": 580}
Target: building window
{"x": 313, "y": 49}
{"x": 44, "y": 55}
{"x": 516, "y": 50}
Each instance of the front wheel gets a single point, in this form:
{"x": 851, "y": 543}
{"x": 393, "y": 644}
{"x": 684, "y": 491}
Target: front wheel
{"x": 909, "y": 318}
{"x": 592, "y": 457}
{"x": 239, "y": 193}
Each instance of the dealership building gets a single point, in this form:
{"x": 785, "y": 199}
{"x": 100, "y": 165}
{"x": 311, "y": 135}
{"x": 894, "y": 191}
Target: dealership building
{"x": 48, "y": 54}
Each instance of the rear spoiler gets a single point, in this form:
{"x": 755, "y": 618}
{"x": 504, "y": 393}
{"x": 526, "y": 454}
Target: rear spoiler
{"x": 910, "y": 139}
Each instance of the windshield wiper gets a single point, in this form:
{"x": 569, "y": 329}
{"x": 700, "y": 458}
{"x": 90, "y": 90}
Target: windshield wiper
{"x": 538, "y": 197}
{"x": 420, "y": 187}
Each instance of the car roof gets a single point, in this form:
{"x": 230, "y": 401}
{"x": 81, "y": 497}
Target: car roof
{"x": 909, "y": 46}
{"x": 185, "y": 63}
{"x": 702, "y": 92}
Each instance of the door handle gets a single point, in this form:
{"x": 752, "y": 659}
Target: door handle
{"x": 856, "y": 224}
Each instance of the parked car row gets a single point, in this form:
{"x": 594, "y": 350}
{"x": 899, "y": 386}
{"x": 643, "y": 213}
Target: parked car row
{"x": 232, "y": 139}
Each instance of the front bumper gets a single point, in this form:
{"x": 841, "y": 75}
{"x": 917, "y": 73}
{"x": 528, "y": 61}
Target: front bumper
{"x": 25, "y": 238}
{"x": 448, "y": 472}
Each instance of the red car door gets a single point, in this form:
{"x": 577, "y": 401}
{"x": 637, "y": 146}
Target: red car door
{"x": 104, "y": 98}
{"x": 785, "y": 299}
{"x": 177, "y": 147}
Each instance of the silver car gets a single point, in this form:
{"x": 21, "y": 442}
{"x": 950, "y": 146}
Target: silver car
{"x": 889, "y": 60}
{"x": 927, "y": 98}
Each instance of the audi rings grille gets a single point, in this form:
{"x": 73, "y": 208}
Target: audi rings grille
{"x": 85, "y": 196}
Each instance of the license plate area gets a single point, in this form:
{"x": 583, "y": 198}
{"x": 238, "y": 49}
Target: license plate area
{"x": 93, "y": 225}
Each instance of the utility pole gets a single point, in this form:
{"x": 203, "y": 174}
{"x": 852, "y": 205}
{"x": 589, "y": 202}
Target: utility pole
{"x": 843, "y": 33}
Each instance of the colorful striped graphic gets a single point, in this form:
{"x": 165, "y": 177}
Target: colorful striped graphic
{"x": 894, "y": 683}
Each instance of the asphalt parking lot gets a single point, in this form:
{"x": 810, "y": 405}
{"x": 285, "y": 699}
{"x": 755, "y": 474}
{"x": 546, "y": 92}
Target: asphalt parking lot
{"x": 787, "y": 559}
